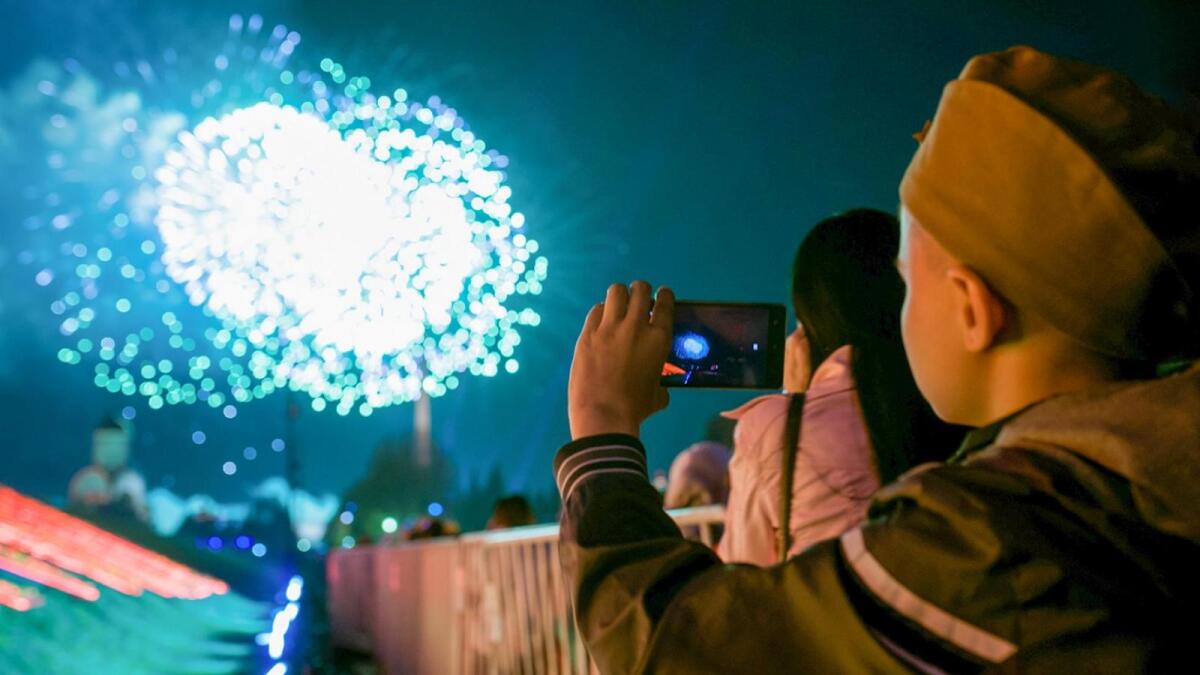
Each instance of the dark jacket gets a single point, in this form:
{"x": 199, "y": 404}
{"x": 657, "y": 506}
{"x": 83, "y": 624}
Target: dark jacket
{"x": 1065, "y": 539}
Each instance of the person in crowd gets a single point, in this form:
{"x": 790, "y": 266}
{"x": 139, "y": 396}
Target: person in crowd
{"x": 851, "y": 418}
{"x": 699, "y": 475}
{"x": 511, "y": 511}
{"x": 432, "y": 528}
{"x": 109, "y": 485}
{"x": 1051, "y": 251}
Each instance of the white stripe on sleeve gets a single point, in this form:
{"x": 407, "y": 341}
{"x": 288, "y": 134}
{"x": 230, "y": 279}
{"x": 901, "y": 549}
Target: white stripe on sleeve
{"x": 887, "y": 589}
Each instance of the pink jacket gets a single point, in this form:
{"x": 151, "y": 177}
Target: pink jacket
{"x": 834, "y": 478}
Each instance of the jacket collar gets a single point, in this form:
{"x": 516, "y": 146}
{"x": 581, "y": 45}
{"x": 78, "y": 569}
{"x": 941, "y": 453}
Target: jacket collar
{"x": 978, "y": 439}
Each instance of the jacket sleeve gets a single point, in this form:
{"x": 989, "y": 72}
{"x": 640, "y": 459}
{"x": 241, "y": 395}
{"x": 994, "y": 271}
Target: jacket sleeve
{"x": 647, "y": 600}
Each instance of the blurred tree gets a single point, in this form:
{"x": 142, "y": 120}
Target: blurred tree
{"x": 400, "y": 483}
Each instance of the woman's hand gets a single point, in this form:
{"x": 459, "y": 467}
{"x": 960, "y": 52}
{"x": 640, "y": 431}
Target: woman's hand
{"x": 618, "y": 362}
{"x": 797, "y": 364}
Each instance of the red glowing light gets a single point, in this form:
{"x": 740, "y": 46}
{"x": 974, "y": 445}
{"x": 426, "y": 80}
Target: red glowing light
{"x": 19, "y": 598}
{"x": 47, "y": 546}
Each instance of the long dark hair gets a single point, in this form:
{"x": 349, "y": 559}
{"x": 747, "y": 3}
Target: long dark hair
{"x": 846, "y": 291}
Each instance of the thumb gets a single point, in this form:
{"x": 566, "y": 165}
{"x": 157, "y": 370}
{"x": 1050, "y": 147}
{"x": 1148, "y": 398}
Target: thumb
{"x": 662, "y": 398}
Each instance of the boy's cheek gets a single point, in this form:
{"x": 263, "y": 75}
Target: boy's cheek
{"x": 908, "y": 333}
{"x": 924, "y": 339}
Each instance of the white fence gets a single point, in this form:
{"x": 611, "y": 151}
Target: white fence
{"x": 490, "y": 603}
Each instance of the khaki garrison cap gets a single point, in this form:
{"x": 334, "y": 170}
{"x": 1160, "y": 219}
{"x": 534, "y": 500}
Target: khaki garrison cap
{"x": 1075, "y": 194}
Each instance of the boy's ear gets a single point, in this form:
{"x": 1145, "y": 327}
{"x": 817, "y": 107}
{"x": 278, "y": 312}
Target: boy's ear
{"x": 980, "y": 313}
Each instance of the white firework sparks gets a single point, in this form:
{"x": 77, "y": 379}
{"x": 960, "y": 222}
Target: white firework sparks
{"x": 358, "y": 247}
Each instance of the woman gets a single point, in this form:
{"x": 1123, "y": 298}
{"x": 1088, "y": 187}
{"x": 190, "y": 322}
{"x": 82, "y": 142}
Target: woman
{"x": 851, "y": 418}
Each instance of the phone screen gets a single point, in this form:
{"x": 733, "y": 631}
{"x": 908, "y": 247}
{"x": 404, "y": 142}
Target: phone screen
{"x": 726, "y": 346}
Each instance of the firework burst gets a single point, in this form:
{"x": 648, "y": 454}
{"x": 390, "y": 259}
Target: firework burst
{"x": 285, "y": 226}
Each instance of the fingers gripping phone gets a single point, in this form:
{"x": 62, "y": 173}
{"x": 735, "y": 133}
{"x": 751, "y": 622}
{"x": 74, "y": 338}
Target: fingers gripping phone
{"x": 726, "y": 345}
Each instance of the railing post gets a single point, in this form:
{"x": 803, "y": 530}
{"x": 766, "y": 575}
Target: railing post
{"x": 509, "y": 606}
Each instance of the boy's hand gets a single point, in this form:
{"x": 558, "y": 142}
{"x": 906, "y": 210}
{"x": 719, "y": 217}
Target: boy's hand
{"x": 618, "y": 361}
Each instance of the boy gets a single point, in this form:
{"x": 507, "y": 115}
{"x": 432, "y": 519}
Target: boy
{"x": 1049, "y": 232}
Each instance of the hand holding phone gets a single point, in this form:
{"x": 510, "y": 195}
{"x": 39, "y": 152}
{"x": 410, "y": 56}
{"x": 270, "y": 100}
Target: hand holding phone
{"x": 614, "y": 382}
{"x": 797, "y": 369}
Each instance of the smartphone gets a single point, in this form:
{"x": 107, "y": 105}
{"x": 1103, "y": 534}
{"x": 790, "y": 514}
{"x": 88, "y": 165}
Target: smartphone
{"x": 726, "y": 345}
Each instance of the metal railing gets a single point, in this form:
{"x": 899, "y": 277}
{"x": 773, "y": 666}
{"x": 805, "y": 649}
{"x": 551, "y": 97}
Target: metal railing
{"x": 489, "y": 603}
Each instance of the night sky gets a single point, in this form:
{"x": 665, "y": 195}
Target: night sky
{"x": 691, "y": 144}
